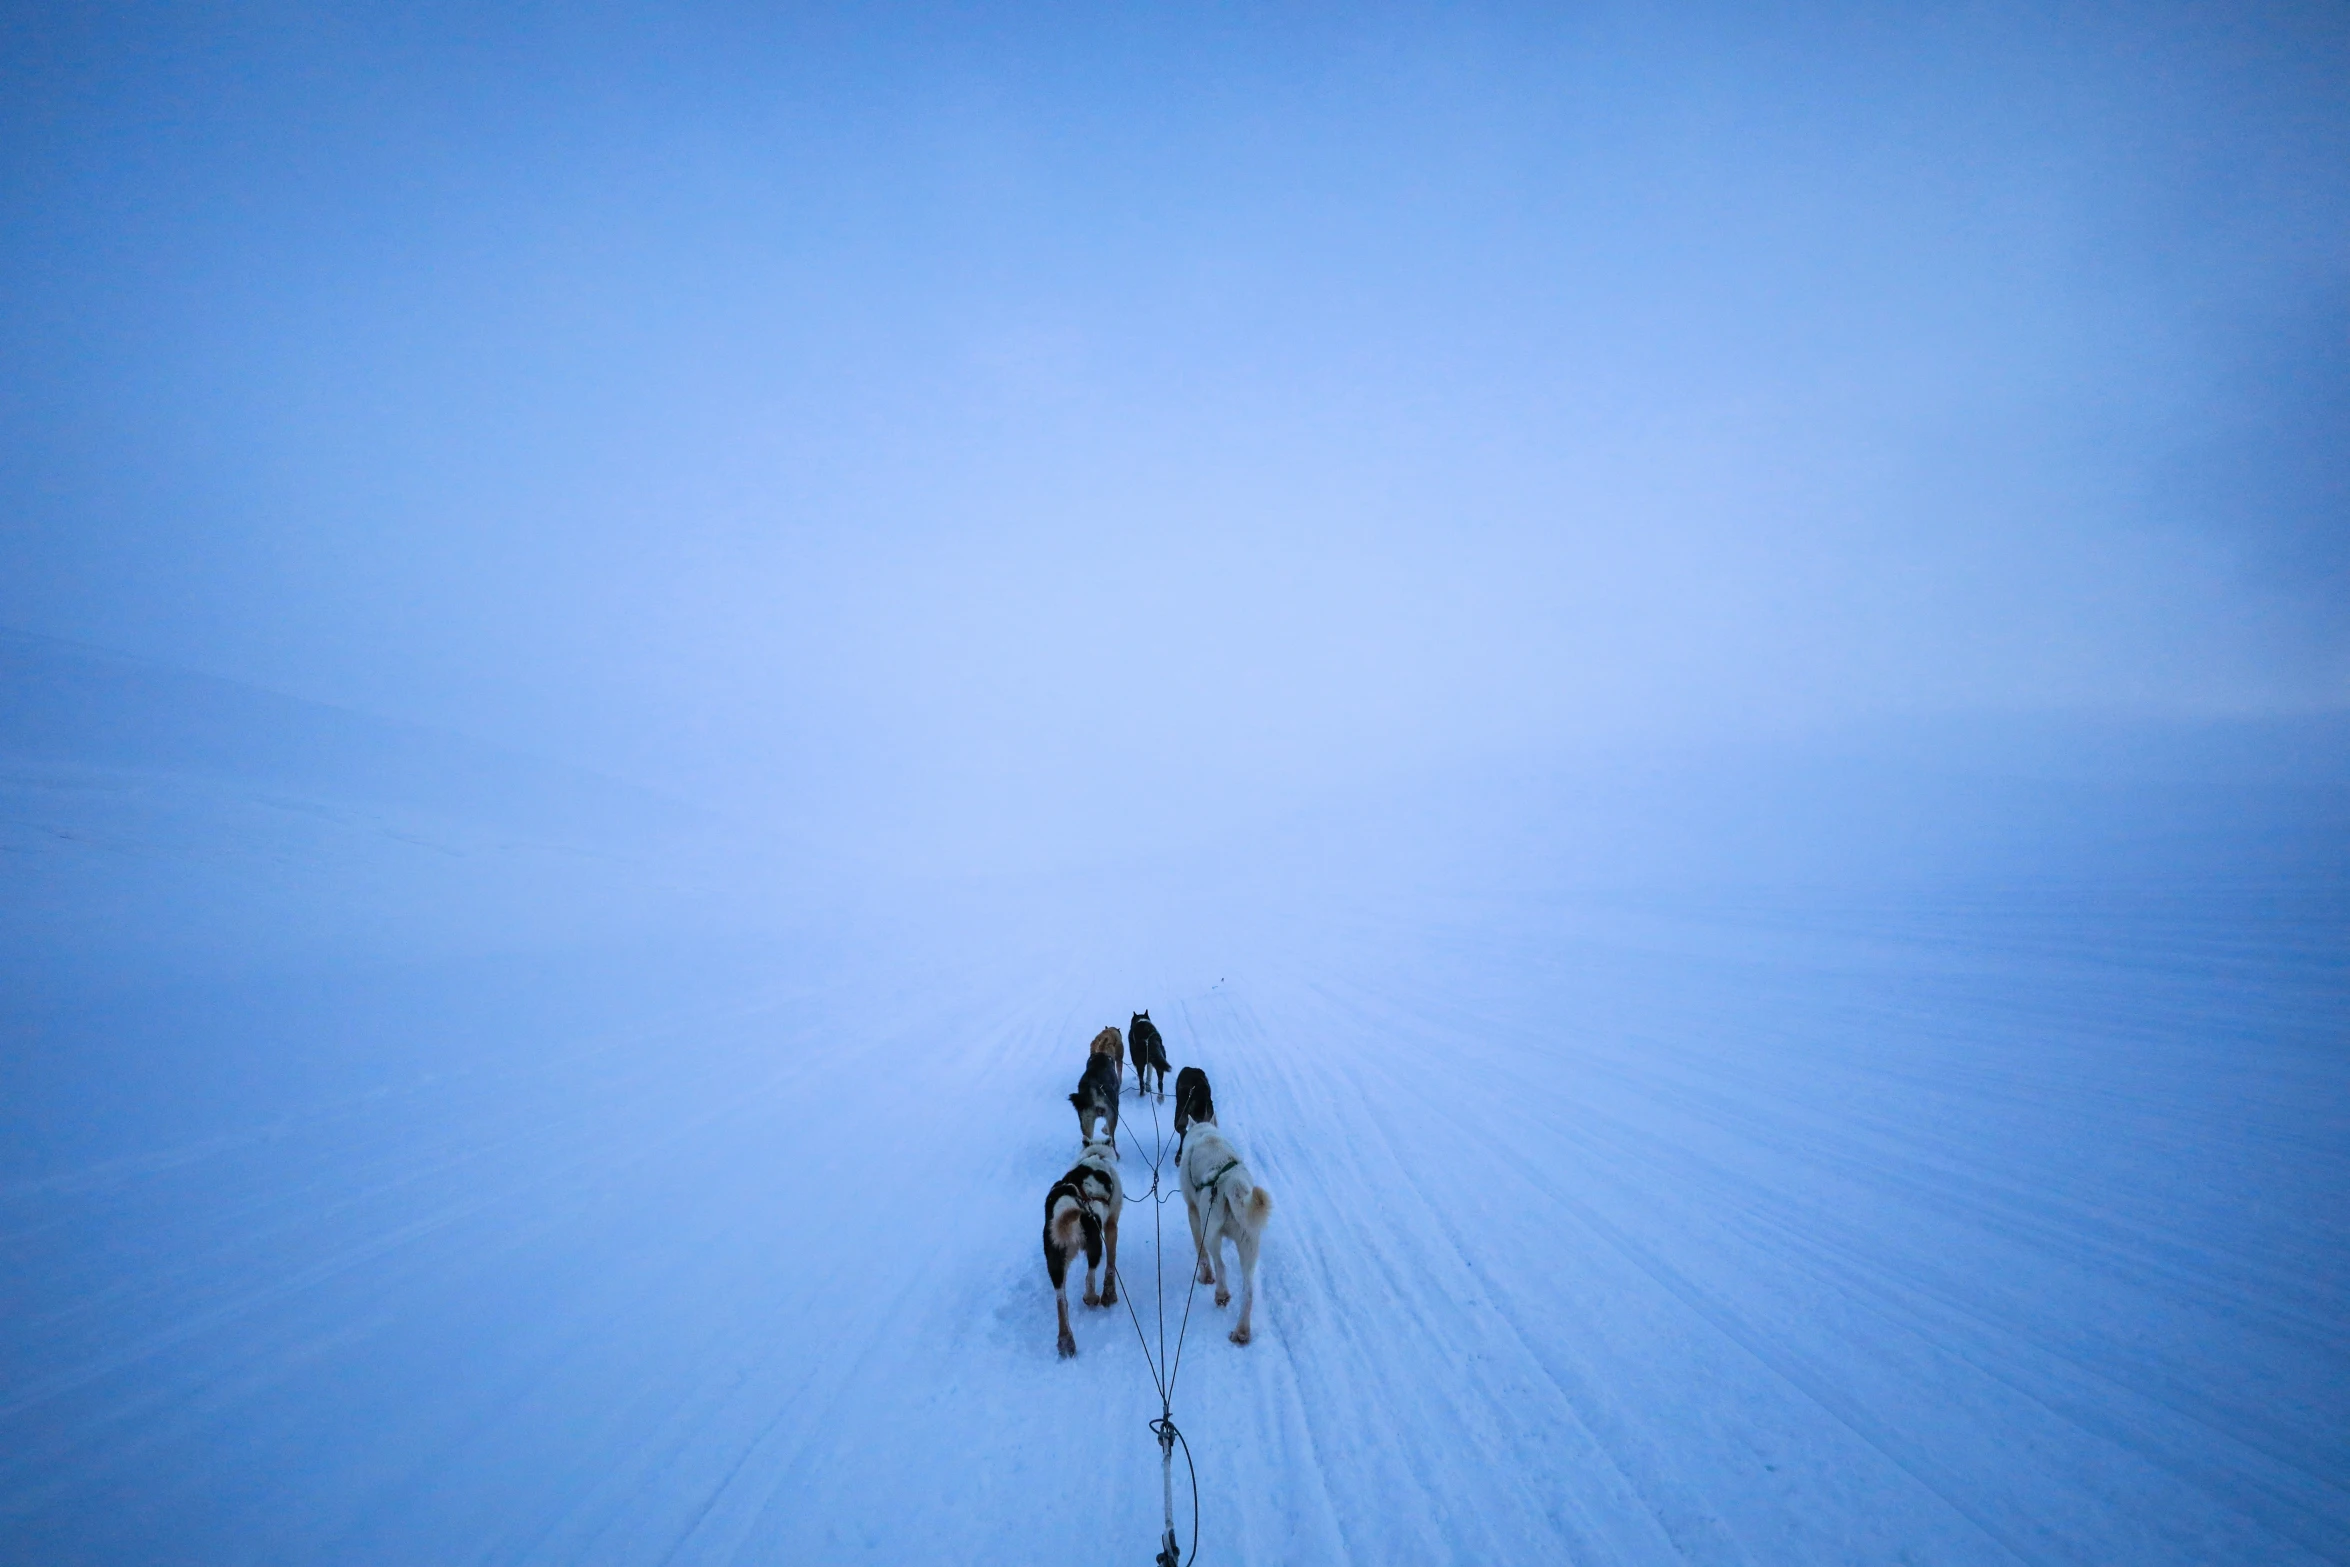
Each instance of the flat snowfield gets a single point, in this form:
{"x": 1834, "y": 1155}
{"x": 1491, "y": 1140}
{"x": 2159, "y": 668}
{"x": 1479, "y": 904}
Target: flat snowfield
{"x": 1930, "y": 1230}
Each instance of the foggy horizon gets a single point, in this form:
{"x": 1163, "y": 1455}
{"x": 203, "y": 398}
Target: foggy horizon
{"x": 830, "y": 421}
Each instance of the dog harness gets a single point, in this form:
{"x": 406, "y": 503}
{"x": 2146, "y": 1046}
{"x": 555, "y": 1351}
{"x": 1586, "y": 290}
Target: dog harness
{"x": 1097, "y": 1207}
{"x": 1209, "y": 1185}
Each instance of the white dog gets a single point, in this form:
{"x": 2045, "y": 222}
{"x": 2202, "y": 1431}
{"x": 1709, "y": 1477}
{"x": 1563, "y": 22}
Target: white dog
{"x": 1223, "y": 1199}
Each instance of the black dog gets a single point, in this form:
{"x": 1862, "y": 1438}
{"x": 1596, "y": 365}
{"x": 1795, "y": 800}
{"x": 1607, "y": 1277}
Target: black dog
{"x": 1149, "y": 1052}
{"x": 1192, "y": 1103}
{"x": 1097, "y": 1096}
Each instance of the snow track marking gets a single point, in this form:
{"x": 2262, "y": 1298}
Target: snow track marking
{"x": 1750, "y": 1237}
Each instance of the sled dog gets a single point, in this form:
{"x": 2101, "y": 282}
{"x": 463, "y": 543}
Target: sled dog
{"x": 1224, "y": 1199}
{"x": 1192, "y": 1103}
{"x": 1107, "y": 1043}
{"x": 1097, "y": 1097}
{"x": 1081, "y": 1214}
{"x": 1150, "y": 1053}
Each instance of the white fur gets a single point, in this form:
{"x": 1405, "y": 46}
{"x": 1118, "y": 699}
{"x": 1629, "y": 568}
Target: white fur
{"x": 1102, "y": 1155}
{"x": 1235, "y": 1205}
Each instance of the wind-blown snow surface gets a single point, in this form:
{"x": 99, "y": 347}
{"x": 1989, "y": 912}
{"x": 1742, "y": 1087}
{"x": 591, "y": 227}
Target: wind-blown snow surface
{"x": 1984, "y": 1219}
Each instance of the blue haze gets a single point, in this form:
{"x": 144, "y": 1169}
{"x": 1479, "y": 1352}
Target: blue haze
{"x": 1704, "y": 652}
{"x": 900, "y": 425}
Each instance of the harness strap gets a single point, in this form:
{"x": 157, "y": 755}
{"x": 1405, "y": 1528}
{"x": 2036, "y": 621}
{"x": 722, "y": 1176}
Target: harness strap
{"x": 1209, "y": 1185}
{"x": 1077, "y": 1190}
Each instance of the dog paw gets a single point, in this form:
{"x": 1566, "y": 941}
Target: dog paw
{"x": 1091, "y": 1299}
{"x": 1068, "y": 1345}
{"x": 1238, "y": 1335}
{"x": 1223, "y": 1299}
{"x": 1109, "y": 1297}
{"x": 1207, "y": 1275}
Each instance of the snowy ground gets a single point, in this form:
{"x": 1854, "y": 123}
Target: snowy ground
{"x": 1999, "y": 1221}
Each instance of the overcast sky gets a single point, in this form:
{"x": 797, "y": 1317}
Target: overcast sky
{"x": 984, "y": 414}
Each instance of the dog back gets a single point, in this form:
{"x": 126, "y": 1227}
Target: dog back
{"x": 1071, "y": 1224}
{"x": 1212, "y": 1169}
{"x": 1192, "y": 1099}
{"x": 1099, "y": 1084}
{"x": 1095, "y": 1179}
{"x": 1210, "y": 1161}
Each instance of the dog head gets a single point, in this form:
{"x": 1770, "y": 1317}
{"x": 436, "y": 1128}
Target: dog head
{"x": 1139, "y": 1017}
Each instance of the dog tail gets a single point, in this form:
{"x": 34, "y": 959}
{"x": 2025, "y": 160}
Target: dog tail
{"x": 1069, "y": 1226}
{"x": 1257, "y": 1209}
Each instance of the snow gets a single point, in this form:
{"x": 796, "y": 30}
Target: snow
{"x": 398, "y": 1173}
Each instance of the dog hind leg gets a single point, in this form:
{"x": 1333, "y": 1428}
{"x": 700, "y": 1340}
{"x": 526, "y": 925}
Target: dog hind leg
{"x": 1199, "y": 1243}
{"x": 1056, "y": 1264}
{"x": 1245, "y": 1242}
{"x": 1110, "y": 1273}
{"x": 1093, "y": 1259}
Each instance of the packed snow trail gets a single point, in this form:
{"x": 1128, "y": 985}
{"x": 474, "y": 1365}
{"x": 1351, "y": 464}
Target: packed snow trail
{"x": 1958, "y": 1233}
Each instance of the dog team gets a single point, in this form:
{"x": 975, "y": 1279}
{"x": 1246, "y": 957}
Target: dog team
{"x": 1221, "y": 1197}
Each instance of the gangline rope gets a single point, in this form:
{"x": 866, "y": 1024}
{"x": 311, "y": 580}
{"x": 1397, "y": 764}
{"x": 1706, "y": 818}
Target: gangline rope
{"x": 1163, "y": 1428}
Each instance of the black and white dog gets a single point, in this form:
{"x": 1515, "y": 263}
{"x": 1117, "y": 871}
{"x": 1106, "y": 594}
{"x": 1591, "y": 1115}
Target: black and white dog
{"x": 1097, "y": 1096}
{"x": 1192, "y": 1103}
{"x": 1081, "y": 1214}
{"x": 1223, "y": 1199}
{"x": 1150, "y": 1053}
